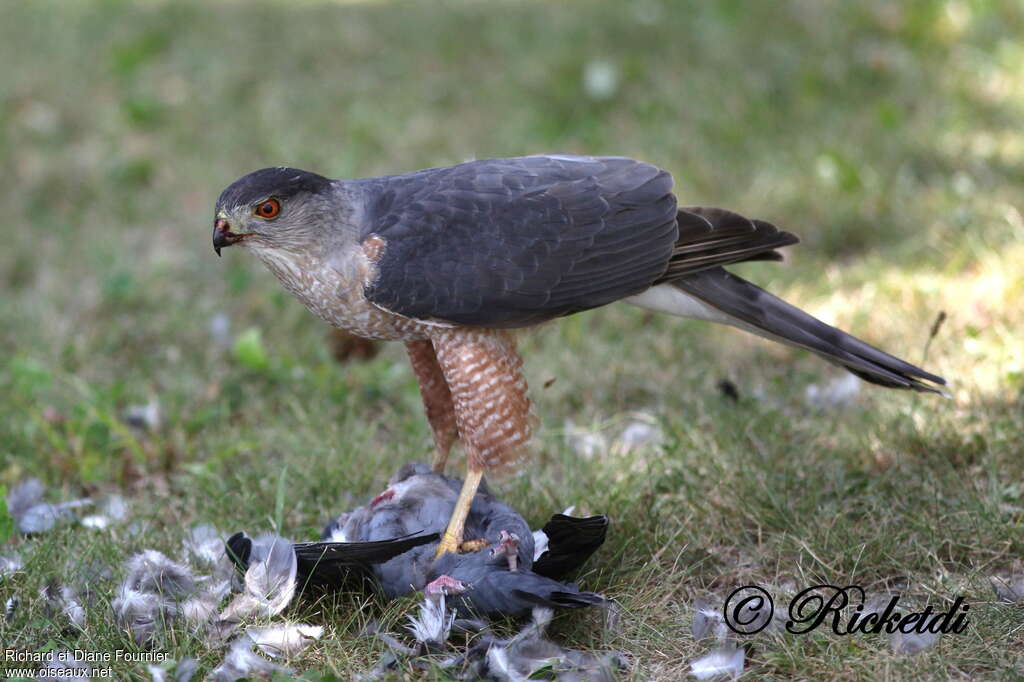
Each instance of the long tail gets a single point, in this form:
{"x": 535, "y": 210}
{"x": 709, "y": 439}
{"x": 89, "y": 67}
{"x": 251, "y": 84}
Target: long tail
{"x": 742, "y": 304}
{"x": 695, "y": 284}
{"x": 720, "y": 296}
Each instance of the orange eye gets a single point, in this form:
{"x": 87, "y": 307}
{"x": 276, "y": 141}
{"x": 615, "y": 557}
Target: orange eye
{"x": 269, "y": 208}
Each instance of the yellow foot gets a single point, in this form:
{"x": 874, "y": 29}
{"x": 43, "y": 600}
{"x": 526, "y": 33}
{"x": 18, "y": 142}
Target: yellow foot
{"x": 449, "y": 545}
{"x": 452, "y": 538}
{"x": 470, "y": 546}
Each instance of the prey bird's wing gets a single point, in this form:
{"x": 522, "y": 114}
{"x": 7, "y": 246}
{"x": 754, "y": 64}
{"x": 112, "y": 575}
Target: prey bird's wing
{"x": 571, "y": 541}
{"x": 515, "y": 242}
{"x": 332, "y": 564}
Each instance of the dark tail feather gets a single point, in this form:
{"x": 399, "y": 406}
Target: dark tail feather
{"x": 758, "y": 311}
{"x": 562, "y": 599}
{"x": 571, "y": 541}
{"x": 506, "y": 593}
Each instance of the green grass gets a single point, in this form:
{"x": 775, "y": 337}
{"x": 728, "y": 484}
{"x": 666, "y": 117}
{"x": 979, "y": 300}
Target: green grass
{"x": 887, "y": 135}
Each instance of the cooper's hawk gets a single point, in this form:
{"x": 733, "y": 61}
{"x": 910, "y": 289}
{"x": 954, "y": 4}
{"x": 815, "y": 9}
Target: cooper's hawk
{"x": 452, "y": 260}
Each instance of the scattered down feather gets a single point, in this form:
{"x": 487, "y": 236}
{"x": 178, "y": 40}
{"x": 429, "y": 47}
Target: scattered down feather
{"x": 241, "y": 662}
{"x": 184, "y": 671}
{"x": 62, "y": 602}
{"x": 912, "y": 642}
{"x": 1008, "y": 589}
{"x": 284, "y": 639}
{"x": 33, "y": 516}
{"x": 157, "y": 591}
{"x": 527, "y": 655}
{"x": 109, "y": 512}
{"x": 530, "y": 655}
{"x": 270, "y": 580}
{"x": 726, "y": 661}
{"x": 204, "y": 545}
{"x": 9, "y": 565}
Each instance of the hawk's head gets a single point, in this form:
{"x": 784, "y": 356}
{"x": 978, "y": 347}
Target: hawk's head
{"x": 274, "y": 208}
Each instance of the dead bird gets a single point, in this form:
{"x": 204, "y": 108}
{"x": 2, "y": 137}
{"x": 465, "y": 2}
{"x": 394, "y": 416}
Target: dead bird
{"x": 497, "y": 565}
{"x": 568, "y": 542}
{"x": 497, "y": 585}
{"x": 393, "y": 539}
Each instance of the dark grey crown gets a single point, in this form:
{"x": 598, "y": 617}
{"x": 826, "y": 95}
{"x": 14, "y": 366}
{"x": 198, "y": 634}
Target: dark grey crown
{"x": 279, "y": 182}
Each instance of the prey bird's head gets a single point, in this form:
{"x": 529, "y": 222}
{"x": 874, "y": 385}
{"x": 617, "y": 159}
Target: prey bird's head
{"x": 274, "y": 208}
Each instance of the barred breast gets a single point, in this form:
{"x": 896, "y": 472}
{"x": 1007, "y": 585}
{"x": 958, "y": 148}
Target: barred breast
{"x": 335, "y": 295}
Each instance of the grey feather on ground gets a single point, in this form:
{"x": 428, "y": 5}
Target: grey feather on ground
{"x": 157, "y": 591}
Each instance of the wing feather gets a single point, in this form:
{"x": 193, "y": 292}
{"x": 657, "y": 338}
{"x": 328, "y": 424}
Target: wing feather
{"x": 514, "y": 242}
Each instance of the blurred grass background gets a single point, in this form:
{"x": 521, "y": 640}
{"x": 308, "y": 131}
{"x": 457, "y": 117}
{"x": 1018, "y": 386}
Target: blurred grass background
{"x": 886, "y": 134}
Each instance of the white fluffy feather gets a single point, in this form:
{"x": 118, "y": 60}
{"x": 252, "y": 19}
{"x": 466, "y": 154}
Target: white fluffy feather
{"x": 286, "y": 639}
{"x": 720, "y": 662}
{"x": 434, "y": 623}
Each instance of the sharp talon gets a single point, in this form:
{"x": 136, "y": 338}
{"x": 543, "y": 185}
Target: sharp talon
{"x": 470, "y": 546}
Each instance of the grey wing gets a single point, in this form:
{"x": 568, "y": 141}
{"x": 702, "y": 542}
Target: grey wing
{"x": 334, "y": 564}
{"x": 515, "y": 242}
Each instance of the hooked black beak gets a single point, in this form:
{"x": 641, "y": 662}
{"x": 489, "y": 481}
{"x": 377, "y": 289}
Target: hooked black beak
{"x": 223, "y": 236}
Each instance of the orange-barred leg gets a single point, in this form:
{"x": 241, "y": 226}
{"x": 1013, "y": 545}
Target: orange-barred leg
{"x": 492, "y": 412}
{"x": 437, "y": 400}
